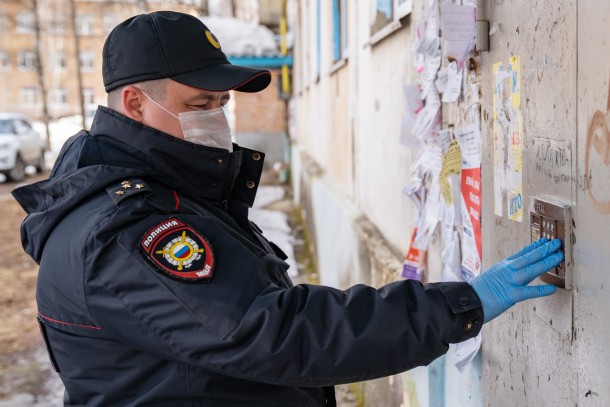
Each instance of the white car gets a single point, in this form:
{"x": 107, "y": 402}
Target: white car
{"x": 20, "y": 146}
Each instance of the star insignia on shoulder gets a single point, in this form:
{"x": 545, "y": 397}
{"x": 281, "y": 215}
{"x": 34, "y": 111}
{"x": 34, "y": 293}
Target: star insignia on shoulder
{"x": 128, "y": 188}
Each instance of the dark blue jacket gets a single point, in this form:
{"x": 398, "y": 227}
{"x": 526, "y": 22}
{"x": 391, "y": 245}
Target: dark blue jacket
{"x": 154, "y": 289}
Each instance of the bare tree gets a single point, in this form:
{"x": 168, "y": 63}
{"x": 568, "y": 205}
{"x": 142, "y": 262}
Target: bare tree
{"x": 201, "y": 6}
{"x": 77, "y": 51}
{"x": 40, "y": 71}
{"x": 143, "y": 6}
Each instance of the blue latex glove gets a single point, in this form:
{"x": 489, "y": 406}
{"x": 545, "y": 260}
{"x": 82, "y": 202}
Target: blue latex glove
{"x": 506, "y": 283}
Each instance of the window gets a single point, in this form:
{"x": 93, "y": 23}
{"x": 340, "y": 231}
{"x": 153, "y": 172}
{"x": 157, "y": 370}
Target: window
{"x": 403, "y": 8}
{"x": 339, "y": 30}
{"x": 306, "y": 41}
{"x": 110, "y": 21}
{"x": 4, "y": 23}
{"x": 84, "y": 24}
{"x": 6, "y": 126}
{"x": 59, "y": 96}
{"x": 88, "y": 96}
{"x": 25, "y": 23}
{"x": 385, "y": 16}
{"x": 5, "y": 61}
{"x": 28, "y": 96}
{"x": 27, "y": 60}
{"x": 21, "y": 126}
{"x": 59, "y": 61}
{"x": 86, "y": 61}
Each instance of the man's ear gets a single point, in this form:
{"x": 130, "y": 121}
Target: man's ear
{"x": 132, "y": 98}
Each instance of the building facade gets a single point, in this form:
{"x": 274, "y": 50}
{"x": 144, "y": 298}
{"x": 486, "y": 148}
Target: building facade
{"x": 21, "y": 90}
{"x": 259, "y": 119}
{"x": 354, "y": 153}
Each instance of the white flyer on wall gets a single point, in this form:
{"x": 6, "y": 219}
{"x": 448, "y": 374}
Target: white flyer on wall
{"x": 453, "y": 90}
{"x": 459, "y": 31}
{"x": 508, "y": 139}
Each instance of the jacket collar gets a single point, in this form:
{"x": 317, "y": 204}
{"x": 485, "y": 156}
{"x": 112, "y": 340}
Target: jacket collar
{"x": 191, "y": 169}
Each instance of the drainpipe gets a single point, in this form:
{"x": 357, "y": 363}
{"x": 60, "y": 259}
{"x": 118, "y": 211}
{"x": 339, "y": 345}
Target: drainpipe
{"x": 482, "y": 27}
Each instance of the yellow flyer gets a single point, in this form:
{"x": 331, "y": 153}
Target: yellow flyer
{"x": 508, "y": 139}
{"x": 497, "y": 146}
{"x": 452, "y": 163}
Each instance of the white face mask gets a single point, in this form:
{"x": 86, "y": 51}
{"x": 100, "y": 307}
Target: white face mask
{"x": 205, "y": 127}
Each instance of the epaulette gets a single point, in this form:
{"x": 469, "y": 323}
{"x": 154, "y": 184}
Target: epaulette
{"x": 127, "y": 189}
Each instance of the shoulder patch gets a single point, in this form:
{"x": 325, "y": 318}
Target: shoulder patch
{"x": 128, "y": 188}
{"x": 178, "y": 251}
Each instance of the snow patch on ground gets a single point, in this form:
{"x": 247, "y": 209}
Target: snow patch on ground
{"x": 275, "y": 223}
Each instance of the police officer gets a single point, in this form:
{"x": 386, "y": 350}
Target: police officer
{"x": 155, "y": 289}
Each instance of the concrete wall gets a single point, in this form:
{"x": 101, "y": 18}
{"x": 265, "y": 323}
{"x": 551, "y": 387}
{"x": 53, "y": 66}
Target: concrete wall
{"x": 352, "y": 169}
{"x": 349, "y": 172}
{"x": 553, "y": 351}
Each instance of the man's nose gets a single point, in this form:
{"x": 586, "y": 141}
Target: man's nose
{"x": 214, "y": 102}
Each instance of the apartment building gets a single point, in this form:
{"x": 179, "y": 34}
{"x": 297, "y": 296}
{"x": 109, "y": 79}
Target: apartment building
{"x": 94, "y": 19}
{"x": 258, "y": 120}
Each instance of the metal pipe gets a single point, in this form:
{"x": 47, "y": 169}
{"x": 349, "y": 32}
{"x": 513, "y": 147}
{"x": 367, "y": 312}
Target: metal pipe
{"x": 482, "y": 27}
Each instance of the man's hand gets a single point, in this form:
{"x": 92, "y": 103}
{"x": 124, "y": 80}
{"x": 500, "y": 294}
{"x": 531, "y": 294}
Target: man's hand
{"x": 505, "y": 283}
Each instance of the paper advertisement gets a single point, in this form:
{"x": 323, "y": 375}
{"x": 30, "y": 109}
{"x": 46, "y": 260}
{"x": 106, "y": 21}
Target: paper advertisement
{"x": 464, "y": 352}
{"x": 451, "y": 166}
{"x": 428, "y": 119}
{"x": 471, "y": 223}
{"x": 450, "y": 254}
{"x": 508, "y": 140}
{"x": 430, "y": 164}
{"x": 414, "y": 106}
{"x": 459, "y": 31}
{"x": 411, "y": 266}
{"x": 453, "y": 90}
{"x": 469, "y": 139}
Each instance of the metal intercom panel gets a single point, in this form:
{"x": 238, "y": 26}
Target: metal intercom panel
{"x": 551, "y": 218}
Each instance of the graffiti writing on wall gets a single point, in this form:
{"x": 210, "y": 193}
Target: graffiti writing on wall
{"x": 598, "y": 143}
{"x": 554, "y": 159}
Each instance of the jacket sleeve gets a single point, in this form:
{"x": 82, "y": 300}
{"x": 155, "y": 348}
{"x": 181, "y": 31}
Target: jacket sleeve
{"x": 240, "y": 324}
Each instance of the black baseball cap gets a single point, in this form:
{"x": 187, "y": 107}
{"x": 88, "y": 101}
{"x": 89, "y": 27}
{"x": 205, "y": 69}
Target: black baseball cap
{"x": 168, "y": 44}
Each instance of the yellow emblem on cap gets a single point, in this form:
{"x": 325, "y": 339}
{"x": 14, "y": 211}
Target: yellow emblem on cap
{"x": 212, "y": 38}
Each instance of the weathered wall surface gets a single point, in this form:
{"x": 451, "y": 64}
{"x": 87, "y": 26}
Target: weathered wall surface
{"x": 352, "y": 169}
{"x": 592, "y": 302}
{"x": 349, "y": 172}
{"x": 552, "y": 351}
{"x": 526, "y": 358}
